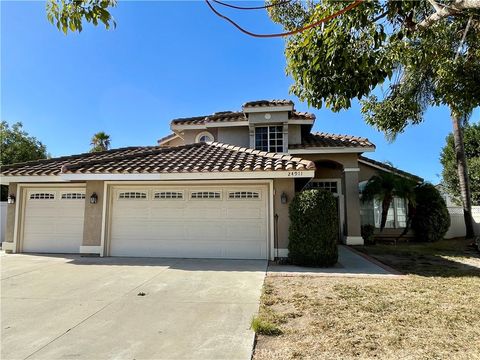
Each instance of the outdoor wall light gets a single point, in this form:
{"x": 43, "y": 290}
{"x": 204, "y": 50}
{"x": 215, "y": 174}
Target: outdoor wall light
{"x": 284, "y": 198}
{"x": 11, "y": 199}
{"x": 93, "y": 198}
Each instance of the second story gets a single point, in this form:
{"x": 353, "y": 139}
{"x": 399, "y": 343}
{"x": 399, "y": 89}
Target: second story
{"x": 267, "y": 125}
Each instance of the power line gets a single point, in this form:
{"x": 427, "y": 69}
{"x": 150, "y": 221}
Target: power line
{"x": 251, "y": 7}
{"x": 353, "y": 5}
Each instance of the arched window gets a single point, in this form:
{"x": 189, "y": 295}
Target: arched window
{"x": 204, "y": 136}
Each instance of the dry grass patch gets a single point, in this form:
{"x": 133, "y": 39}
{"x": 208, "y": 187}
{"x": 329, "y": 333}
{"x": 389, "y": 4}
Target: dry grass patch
{"x": 345, "y": 318}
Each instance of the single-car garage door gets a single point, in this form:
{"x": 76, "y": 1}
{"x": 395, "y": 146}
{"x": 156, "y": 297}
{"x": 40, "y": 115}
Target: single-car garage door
{"x": 193, "y": 222}
{"x": 53, "y": 220}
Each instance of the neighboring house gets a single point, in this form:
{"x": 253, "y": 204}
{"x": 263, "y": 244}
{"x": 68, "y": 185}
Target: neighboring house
{"x": 218, "y": 187}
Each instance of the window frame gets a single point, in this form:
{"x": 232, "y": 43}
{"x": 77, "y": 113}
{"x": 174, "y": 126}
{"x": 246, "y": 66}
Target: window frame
{"x": 202, "y": 134}
{"x": 269, "y": 139}
{"x": 73, "y": 195}
{"x": 176, "y": 192}
{"x": 120, "y": 192}
{"x": 219, "y": 192}
{"x": 249, "y": 195}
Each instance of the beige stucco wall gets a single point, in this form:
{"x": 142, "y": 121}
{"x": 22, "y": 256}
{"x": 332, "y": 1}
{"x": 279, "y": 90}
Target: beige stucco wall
{"x": 178, "y": 141}
{"x": 234, "y": 135}
{"x": 10, "y": 224}
{"x": 348, "y": 160}
{"x": 366, "y": 172}
{"x": 294, "y": 134}
{"x": 189, "y": 136}
{"x": 283, "y": 222}
{"x": 92, "y": 226}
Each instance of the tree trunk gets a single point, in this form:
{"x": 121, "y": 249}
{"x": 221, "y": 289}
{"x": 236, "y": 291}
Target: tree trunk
{"x": 386, "y": 202}
{"x": 462, "y": 173}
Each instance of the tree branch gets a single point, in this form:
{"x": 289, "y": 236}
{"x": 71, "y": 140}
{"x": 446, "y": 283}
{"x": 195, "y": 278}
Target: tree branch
{"x": 450, "y": 10}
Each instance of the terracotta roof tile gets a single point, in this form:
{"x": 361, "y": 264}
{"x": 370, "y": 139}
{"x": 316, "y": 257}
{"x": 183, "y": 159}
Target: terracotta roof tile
{"x": 319, "y": 140}
{"x": 264, "y": 103}
{"x": 203, "y": 157}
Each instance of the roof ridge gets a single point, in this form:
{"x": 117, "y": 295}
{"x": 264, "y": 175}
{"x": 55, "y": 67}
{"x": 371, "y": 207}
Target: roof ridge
{"x": 343, "y": 135}
{"x": 149, "y": 150}
{"x": 66, "y": 157}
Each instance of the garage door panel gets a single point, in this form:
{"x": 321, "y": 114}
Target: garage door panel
{"x": 53, "y": 225}
{"x": 209, "y": 224}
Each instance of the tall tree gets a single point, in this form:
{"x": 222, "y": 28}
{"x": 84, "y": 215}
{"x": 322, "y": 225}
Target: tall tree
{"x": 100, "y": 142}
{"x": 471, "y": 140}
{"x": 16, "y": 145}
{"x": 427, "y": 51}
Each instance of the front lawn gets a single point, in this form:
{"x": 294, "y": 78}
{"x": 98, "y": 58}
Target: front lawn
{"x": 435, "y": 315}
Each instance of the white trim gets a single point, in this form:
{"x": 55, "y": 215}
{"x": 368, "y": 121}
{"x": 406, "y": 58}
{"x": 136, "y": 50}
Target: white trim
{"x": 282, "y": 253}
{"x": 5, "y": 180}
{"x": 385, "y": 169}
{"x": 351, "y": 169}
{"x": 226, "y": 124}
{"x": 193, "y": 176}
{"x": 204, "y": 133}
{"x": 104, "y": 221}
{"x": 300, "y": 122}
{"x": 331, "y": 150}
{"x": 353, "y": 240}
{"x": 90, "y": 249}
{"x": 271, "y": 219}
{"x": 16, "y": 219}
{"x": 267, "y": 108}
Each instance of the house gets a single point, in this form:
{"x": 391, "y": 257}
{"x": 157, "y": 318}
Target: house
{"x": 219, "y": 186}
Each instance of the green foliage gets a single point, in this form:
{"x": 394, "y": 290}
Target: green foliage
{"x": 431, "y": 220}
{"x": 313, "y": 231}
{"x": 264, "y": 327}
{"x": 384, "y": 187}
{"x": 100, "y": 142}
{"x": 349, "y": 56}
{"x": 471, "y": 137}
{"x": 367, "y": 234}
{"x": 68, "y": 15}
{"x": 17, "y": 146}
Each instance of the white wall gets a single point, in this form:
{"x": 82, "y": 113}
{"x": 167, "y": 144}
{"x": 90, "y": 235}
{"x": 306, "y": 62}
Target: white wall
{"x": 457, "y": 227}
{"x": 3, "y": 220}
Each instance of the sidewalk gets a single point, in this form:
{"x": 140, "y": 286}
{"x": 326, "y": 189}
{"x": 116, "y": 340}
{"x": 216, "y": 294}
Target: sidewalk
{"x": 350, "y": 264}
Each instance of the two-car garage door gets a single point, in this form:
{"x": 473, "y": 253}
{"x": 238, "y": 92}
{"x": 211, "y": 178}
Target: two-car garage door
{"x": 199, "y": 222}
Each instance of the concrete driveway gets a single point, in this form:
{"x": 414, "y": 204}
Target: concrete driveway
{"x": 55, "y": 307}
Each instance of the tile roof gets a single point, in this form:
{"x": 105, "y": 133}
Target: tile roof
{"x": 168, "y": 137}
{"x": 390, "y": 168}
{"x": 263, "y": 103}
{"x": 321, "y": 139}
{"x": 200, "y": 157}
{"x": 232, "y": 116}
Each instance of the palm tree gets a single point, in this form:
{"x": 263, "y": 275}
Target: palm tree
{"x": 385, "y": 186}
{"x": 100, "y": 142}
{"x": 381, "y": 187}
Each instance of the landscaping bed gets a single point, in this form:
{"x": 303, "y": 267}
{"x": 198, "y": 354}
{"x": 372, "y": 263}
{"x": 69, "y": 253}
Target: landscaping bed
{"x": 434, "y": 314}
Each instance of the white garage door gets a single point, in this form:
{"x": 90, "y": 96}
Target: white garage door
{"x": 191, "y": 222}
{"x": 53, "y": 220}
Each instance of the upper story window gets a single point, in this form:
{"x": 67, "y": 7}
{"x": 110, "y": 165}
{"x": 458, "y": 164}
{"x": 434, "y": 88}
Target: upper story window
{"x": 203, "y": 137}
{"x": 269, "y": 138}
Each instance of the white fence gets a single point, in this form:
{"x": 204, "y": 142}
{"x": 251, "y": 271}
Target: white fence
{"x": 457, "y": 226}
{"x": 3, "y": 220}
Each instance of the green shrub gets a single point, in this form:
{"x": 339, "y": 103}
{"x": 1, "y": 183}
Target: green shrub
{"x": 431, "y": 220}
{"x": 313, "y": 232}
{"x": 367, "y": 234}
{"x": 264, "y": 327}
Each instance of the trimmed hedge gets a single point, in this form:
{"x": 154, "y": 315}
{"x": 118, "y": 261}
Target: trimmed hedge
{"x": 431, "y": 220}
{"x": 313, "y": 232}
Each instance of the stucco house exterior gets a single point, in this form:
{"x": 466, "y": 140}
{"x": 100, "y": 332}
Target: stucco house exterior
{"x": 218, "y": 186}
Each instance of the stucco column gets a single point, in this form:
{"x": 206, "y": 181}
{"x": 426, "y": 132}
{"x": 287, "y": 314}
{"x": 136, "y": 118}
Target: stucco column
{"x": 92, "y": 226}
{"x": 8, "y": 244}
{"x": 352, "y": 207}
{"x": 281, "y": 214}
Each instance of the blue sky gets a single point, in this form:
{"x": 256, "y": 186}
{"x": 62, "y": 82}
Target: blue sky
{"x": 164, "y": 60}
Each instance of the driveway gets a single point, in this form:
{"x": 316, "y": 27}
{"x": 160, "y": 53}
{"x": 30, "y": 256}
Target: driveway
{"x": 55, "y": 307}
